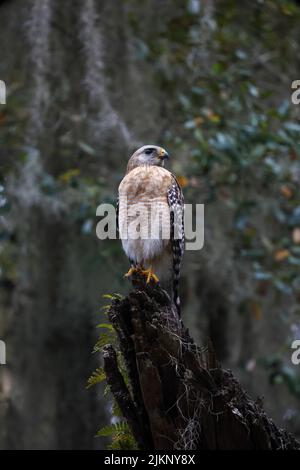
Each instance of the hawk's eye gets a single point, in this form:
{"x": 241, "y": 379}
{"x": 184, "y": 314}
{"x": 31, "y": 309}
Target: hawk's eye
{"x": 148, "y": 151}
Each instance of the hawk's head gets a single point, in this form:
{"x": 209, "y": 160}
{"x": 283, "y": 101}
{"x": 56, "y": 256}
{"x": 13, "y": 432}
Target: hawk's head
{"x": 148, "y": 155}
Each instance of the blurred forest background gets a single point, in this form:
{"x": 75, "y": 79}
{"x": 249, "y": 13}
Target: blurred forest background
{"x": 87, "y": 83}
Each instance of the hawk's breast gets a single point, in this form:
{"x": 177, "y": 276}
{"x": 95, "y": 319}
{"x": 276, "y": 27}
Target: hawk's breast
{"x": 144, "y": 215}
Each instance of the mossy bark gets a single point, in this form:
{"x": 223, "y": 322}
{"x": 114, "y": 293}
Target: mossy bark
{"x": 179, "y": 396}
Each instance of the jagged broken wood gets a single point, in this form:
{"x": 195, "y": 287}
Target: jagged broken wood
{"x": 179, "y": 395}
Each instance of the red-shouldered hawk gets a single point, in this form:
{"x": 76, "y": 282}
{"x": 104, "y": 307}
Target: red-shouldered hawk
{"x": 150, "y": 219}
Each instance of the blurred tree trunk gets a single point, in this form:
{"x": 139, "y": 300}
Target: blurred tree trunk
{"x": 51, "y": 343}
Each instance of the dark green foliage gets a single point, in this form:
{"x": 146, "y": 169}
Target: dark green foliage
{"x": 121, "y": 436}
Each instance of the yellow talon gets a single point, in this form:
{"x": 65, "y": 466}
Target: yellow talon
{"x": 150, "y": 275}
{"x": 145, "y": 272}
{"x": 131, "y": 271}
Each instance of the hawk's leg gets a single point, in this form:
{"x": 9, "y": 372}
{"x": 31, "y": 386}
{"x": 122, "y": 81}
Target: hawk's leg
{"x": 149, "y": 274}
{"x": 131, "y": 271}
{"x": 134, "y": 268}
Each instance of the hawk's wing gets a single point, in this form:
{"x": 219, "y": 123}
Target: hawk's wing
{"x": 117, "y": 215}
{"x": 176, "y": 204}
{"x": 117, "y": 223}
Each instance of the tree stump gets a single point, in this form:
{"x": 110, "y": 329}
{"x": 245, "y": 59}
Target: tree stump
{"x": 179, "y": 397}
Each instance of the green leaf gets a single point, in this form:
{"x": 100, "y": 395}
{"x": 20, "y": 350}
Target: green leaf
{"x": 107, "y": 326}
{"x": 111, "y": 429}
{"x": 97, "y": 376}
{"x": 105, "y": 338}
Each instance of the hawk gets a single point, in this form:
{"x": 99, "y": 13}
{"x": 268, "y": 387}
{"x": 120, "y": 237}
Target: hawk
{"x": 150, "y": 219}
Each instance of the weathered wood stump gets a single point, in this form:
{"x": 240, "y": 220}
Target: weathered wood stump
{"x": 179, "y": 396}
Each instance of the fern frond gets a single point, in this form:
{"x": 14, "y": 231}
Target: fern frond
{"x": 105, "y": 338}
{"x": 118, "y": 296}
{"x": 107, "y": 326}
{"x": 111, "y": 429}
{"x": 106, "y": 391}
{"x": 119, "y": 432}
{"x": 114, "y": 296}
{"x": 97, "y": 376}
{"x": 116, "y": 410}
{"x": 123, "y": 442}
{"x": 122, "y": 438}
{"x": 107, "y": 296}
{"x": 105, "y": 309}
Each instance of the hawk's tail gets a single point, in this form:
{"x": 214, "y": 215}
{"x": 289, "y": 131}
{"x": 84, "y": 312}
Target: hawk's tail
{"x": 176, "y": 296}
{"x": 176, "y": 276}
{"x": 176, "y": 204}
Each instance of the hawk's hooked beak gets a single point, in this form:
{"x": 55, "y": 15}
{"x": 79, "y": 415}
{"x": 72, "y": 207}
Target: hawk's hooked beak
{"x": 163, "y": 154}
